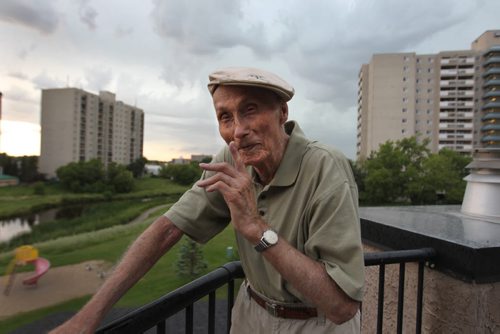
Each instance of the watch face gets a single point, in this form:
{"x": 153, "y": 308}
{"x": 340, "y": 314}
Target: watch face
{"x": 271, "y": 237}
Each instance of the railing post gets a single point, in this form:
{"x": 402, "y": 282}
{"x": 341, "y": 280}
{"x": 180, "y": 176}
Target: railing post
{"x": 211, "y": 313}
{"x": 230, "y": 303}
{"x": 401, "y": 296}
{"x": 380, "y": 309}
{"x": 420, "y": 297}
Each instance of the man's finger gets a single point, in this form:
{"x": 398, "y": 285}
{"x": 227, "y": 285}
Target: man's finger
{"x": 214, "y": 179}
{"x": 220, "y": 167}
{"x": 238, "y": 163}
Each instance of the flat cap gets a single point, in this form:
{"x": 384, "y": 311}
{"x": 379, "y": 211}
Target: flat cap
{"x": 247, "y": 76}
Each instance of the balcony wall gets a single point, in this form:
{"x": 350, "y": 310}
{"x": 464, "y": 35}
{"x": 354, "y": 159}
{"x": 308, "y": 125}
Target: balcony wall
{"x": 461, "y": 292}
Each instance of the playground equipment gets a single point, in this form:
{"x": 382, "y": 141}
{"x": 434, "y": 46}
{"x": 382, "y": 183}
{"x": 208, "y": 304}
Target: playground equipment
{"x": 26, "y": 255}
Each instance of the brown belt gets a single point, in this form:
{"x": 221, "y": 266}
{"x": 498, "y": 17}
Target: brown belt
{"x": 281, "y": 311}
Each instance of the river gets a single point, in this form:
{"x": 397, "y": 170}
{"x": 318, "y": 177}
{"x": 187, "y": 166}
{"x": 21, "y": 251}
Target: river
{"x": 11, "y": 227}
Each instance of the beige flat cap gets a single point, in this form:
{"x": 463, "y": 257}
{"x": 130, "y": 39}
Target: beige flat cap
{"x": 247, "y": 76}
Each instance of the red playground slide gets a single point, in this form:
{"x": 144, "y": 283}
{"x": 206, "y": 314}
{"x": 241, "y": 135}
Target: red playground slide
{"x": 41, "y": 267}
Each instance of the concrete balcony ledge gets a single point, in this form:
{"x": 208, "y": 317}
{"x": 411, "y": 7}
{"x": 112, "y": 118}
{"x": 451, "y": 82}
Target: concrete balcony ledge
{"x": 468, "y": 248}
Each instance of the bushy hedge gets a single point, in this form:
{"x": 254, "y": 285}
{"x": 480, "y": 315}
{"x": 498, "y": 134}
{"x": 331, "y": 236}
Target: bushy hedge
{"x": 91, "y": 176}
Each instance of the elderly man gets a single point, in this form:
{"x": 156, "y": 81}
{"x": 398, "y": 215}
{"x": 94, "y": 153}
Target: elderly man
{"x": 292, "y": 203}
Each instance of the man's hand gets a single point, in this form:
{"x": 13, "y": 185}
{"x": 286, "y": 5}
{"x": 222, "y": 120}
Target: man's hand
{"x": 74, "y": 326}
{"x": 236, "y": 186}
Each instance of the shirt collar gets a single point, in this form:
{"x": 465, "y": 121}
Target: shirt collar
{"x": 290, "y": 164}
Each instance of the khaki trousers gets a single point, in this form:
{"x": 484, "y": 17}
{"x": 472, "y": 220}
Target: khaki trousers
{"x": 248, "y": 317}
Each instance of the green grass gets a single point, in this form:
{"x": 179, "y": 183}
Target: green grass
{"x": 21, "y": 200}
{"x": 109, "y": 244}
{"x": 94, "y": 217}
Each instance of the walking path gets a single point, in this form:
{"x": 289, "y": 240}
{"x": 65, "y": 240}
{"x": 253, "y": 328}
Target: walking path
{"x": 56, "y": 286}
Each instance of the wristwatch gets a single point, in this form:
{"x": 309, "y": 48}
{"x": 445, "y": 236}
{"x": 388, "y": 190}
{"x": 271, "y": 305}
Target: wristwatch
{"x": 269, "y": 238}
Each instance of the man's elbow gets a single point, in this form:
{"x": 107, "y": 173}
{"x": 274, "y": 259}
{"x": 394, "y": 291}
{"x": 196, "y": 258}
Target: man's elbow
{"x": 344, "y": 312}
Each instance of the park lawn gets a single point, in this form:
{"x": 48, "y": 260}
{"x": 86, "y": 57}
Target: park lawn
{"x": 109, "y": 244}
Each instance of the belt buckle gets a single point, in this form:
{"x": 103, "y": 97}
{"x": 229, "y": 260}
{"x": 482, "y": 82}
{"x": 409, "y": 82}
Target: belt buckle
{"x": 272, "y": 309}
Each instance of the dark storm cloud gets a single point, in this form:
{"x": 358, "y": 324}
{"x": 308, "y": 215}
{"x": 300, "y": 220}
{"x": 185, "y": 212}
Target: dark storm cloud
{"x": 324, "y": 43}
{"x": 208, "y": 27}
{"x": 333, "y": 43}
{"x": 36, "y": 15}
{"x": 87, "y": 14}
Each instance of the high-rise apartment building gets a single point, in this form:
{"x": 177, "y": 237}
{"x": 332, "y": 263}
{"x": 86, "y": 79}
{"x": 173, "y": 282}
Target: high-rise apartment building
{"x": 451, "y": 98}
{"x": 80, "y": 126}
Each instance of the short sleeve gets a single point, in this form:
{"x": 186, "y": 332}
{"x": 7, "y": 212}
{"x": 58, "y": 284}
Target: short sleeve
{"x": 334, "y": 236}
{"x": 200, "y": 214}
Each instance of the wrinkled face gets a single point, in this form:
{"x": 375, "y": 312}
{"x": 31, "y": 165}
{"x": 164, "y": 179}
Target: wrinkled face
{"x": 253, "y": 118}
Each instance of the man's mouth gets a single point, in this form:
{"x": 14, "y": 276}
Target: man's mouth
{"x": 247, "y": 147}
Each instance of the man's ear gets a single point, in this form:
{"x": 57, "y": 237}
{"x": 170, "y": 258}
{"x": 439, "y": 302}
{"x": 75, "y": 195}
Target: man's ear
{"x": 283, "y": 112}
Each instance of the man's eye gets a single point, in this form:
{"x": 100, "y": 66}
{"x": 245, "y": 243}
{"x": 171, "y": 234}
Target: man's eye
{"x": 224, "y": 117}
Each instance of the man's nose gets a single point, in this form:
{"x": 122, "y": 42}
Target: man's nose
{"x": 240, "y": 128}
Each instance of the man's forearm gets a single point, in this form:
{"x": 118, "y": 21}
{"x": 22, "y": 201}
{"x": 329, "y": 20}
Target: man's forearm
{"x": 310, "y": 278}
{"x": 139, "y": 258}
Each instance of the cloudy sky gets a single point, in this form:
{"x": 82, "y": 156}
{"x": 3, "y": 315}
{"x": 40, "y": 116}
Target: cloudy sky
{"x": 157, "y": 55}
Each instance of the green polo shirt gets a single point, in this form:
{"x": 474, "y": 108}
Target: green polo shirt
{"x": 312, "y": 202}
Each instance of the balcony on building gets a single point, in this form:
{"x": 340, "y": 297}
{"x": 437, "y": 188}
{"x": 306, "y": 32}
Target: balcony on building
{"x": 457, "y": 93}
{"x": 455, "y": 104}
{"x": 447, "y": 83}
{"x": 492, "y": 117}
{"x": 492, "y": 60}
{"x": 492, "y": 93}
{"x": 457, "y": 61}
{"x": 490, "y": 83}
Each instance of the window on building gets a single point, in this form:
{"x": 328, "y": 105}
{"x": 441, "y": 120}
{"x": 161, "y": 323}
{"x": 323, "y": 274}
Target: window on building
{"x": 404, "y": 120}
{"x": 404, "y": 110}
{"x": 403, "y": 131}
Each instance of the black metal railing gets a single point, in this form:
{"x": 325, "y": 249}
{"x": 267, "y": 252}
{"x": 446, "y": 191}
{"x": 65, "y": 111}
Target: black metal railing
{"x": 381, "y": 259}
{"x": 155, "y": 313}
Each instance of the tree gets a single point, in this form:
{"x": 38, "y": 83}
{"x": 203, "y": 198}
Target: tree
{"x": 119, "y": 179}
{"x": 83, "y": 176}
{"x": 91, "y": 176}
{"x": 405, "y": 171}
{"x": 391, "y": 169}
{"x": 137, "y": 167}
{"x": 190, "y": 263}
{"x": 25, "y": 168}
{"x": 442, "y": 176}
{"x": 183, "y": 174}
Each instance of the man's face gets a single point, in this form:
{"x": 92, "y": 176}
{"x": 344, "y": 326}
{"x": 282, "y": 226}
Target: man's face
{"x": 253, "y": 118}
